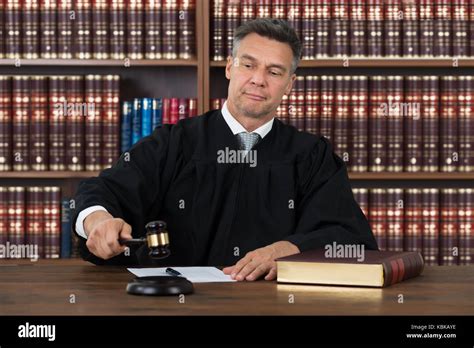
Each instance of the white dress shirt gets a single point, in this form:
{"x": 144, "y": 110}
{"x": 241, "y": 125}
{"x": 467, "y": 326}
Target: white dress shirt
{"x": 234, "y": 126}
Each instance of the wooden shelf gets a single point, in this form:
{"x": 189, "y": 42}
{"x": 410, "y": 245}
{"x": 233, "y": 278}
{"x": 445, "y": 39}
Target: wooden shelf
{"x": 352, "y": 176}
{"x": 100, "y": 62}
{"x": 378, "y": 62}
{"x": 48, "y": 175}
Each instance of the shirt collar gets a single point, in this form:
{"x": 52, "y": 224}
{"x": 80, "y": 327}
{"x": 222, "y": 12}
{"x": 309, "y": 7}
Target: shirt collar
{"x": 237, "y": 128}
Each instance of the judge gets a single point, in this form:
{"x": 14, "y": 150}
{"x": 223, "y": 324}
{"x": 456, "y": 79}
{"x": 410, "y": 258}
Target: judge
{"x": 236, "y": 186}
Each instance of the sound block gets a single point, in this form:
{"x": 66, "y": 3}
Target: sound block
{"x": 160, "y": 286}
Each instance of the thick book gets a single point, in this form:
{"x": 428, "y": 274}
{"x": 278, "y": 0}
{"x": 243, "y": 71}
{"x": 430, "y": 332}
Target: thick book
{"x": 378, "y": 268}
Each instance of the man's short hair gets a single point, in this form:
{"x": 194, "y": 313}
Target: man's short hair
{"x": 276, "y": 29}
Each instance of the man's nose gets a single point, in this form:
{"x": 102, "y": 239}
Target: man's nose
{"x": 258, "y": 78}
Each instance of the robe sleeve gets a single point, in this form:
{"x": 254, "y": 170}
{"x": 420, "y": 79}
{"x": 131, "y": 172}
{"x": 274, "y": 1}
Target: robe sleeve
{"x": 129, "y": 189}
{"x": 326, "y": 210}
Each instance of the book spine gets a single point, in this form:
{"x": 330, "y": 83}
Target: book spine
{"x": 448, "y": 124}
{"x": 136, "y": 120}
{"x": 16, "y": 215}
{"x": 39, "y": 123}
{"x": 232, "y": 21}
{"x": 2, "y": 29}
{"x": 111, "y": 119}
{"x": 413, "y": 221}
{"x": 21, "y": 122}
{"x": 166, "y": 104}
{"x": 393, "y": 29}
{"x": 77, "y": 112}
{"x": 5, "y": 123}
{"x": 327, "y": 107}
{"x": 174, "y": 110}
{"x": 449, "y": 227}
{"x": 358, "y": 28}
{"x": 402, "y": 268}
{"x": 170, "y": 29}
{"x": 395, "y": 219}
{"x": 4, "y": 215}
{"x": 30, "y": 29}
{"x": 82, "y": 29}
{"x": 58, "y": 108}
{"x": 430, "y": 228}
{"x": 247, "y": 10}
{"x": 312, "y": 104}
{"x": 377, "y": 124}
{"x": 378, "y": 216}
{"x": 52, "y": 222}
{"x": 93, "y": 123}
{"x": 442, "y": 28}
{"x": 65, "y": 32}
{"x": 460, "y": 26}
{"x": 361, "y": 195}
{"x": 100, "y": 29}
{"x": 430, "y": 123}
{"x": 264, "y": 8}
{"x": 183, "y": 108}
{"x": 126, "y": 126}
{"x": 157, "y": 113}
{"x": 145, "y": 117}
{"x": 218, "y": 30}
{"x": 308, "y": 30}
{"x": 294, "y": 15}
{"x": 375, "y": 28}
{"x": 465, "y": 94}
{"x": 300, "y": 103}
{"x": 395, "y": 111}
{"x": 186, "y": 29}
{"x": 66, "y": 229}
{"x": 466, "y": 224}
{"x": 49, "y": 35}
{"x": 339, "y": 35}
{"x": 34, "y": 219}
{"x": 13, "y": 24}
{"x": 359, "y": 115}
{"x": 342, "y": 122}
{"x": 153, "y": 34}
{"x": 413, "y": 125}
{"x": 117, "y": 20}
{"x": 410, "y": 30}
{"x": 192, "y": 105}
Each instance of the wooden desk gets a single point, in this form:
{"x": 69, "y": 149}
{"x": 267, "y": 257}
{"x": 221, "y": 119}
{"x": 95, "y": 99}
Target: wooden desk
{"x": 46, "y": 287}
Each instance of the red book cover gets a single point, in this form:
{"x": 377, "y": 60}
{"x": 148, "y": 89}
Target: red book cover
{"x": 460, "y": 24}
{"x": 218, "y": 30}
{"x": 339, "y": 31}
{"x": 111, "y": 119}
{"x": 294, "y": 14}
{"x": 135, "y": 27}
{"x": 49, "y": 34}
{"x": 413, "y": 220}
{"x": 232, "y": 21}
{"x": 448, "y": 115}
{"x": 411, "y": 29}
{"x": 166, "y": 111}
{"x": 342, "y": 97}
{"x": 21, "y": 122}
{"x": 359, "y": 115}
{"x": 247, "y": 10}
{"x": 395, "y": 219}
{"x": 393, "y": 28}
{"x": 5, "y": 123}
{"x": 375, "y": 28}
{"x": 430, "y": 123}
{"x": 312, "y": 104}
{"x": 4, "y": 223}
{"x": 13, "y": 24}
{"x": 30, "y": 28}
{"x": 308, "y": 29}
{"x": 466, "y": 226}
{"x": 377, "y": 124}
{"x": 430, "y": 228}
{"x": 16, "y": 215}
{"x": 322, "y": 27}
{"x": 52, "y": 222}
{"x": 2, "y": 29}
{"x": 118, "y": 22}
{"x": 35, "y": 219}
{"x": 394, "y": 113}
{"x": 174, "y": 110}
{"x": 58, "y": 113}
{"x": 93, "y": 123}
{"x": 100, "y": 29}
{"x": 282, "y": 110}
{"x": 361, "y": 195}
{"x": 449, "y": 248}
{"x": 327, "y": 107}
{"x": 39, "y": 123}
{"x": 465, "y": 92}
{"x": 183, "y": 108}
{"x": 192, "y": 107}
{"x": 264, "y": 8}
{"x": 358, "y": 28}
{"x": 186, "y": 29}
{"x": 413, "y": 125}
{"x": 378, "y": 216}
{"x": 153, "y": 34}
{"x": 82, "y": 29}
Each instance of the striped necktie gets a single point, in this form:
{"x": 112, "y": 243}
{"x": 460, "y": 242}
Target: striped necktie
{"x": 247, "y": 140}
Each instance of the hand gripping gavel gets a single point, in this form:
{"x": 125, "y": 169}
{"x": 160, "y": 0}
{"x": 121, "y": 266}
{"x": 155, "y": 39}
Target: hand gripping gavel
{"x": 156, "y": 239}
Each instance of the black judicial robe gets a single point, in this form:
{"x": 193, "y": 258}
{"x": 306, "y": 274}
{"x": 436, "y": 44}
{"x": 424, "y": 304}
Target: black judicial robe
{"x": 299, "y": 191}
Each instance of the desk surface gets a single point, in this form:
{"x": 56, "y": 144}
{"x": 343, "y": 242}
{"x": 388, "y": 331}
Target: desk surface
{"x": 46, "y": 287}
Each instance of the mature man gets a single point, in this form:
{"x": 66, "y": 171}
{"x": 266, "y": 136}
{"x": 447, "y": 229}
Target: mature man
{"x": 224, "y": 210}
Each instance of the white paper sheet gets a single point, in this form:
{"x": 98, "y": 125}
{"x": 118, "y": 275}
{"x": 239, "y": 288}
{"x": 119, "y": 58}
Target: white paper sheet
{"x": 193, "y": 274}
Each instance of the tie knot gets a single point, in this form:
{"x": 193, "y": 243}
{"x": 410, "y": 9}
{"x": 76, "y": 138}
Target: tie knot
{"x": 247, "y": 140}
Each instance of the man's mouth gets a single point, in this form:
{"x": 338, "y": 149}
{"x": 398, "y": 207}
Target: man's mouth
{"x": 255, "y": 96}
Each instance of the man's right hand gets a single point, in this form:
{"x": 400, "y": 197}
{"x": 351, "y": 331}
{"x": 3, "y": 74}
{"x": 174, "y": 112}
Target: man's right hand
{"x": 103, "y": 232}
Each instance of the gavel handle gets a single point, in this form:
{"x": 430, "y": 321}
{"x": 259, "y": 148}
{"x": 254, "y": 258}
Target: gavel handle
{"x": 133, "y": 241}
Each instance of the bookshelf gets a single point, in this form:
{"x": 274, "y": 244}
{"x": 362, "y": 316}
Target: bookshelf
{"x": 203, "y": 78}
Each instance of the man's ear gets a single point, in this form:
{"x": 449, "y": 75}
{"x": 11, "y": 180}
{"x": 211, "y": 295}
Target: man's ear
{"x": 290, "y": 84}
{"x": 230, "y": 61}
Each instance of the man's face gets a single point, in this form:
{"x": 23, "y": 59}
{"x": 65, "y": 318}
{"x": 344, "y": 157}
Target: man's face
{"x": 259, "y": 76}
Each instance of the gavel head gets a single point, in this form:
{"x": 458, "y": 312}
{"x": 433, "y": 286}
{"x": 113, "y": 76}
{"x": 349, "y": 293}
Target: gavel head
{"x": 157, "y": 239}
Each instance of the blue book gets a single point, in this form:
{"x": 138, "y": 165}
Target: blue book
{"x": 126, "y": 130}
{"x": 157, "y": 113}
{"x": 136, "y": 121}
{"x": 146, "y": 116}
{"x": 66, "y": 229}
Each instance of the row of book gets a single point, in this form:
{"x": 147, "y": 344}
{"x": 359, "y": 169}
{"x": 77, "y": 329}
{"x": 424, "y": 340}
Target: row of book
{"x": 387, "y": 123}
{"x": 97, "y": 29}
{"x": 356, "y": 28}
{"x": 142, "y": 115}
{"x": 35, "y": 223}
{"x": 438, "y": 222}
{"x": 59, "y": 122}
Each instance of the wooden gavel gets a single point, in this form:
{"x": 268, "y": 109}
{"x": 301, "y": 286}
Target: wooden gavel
{"x": 156, "y": 239}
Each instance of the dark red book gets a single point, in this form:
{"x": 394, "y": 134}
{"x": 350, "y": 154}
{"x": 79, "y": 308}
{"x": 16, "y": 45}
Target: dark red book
{"x": 413, "y": 125}
{"x": 100, "y": 29}
{"x": 312, "y": 104}
{"x": 111, "y": 119}
{"x": 465, "y": 92}
{"x": 75, "y": 123}
{"x": 5, "y": 123}
{"x": 322, "y": 28}
{"x": 247, "y": 10}
{"x": 34, "y": 219}
{"x": 49, "y": 33}
{"x": 410, "y": 29}
{"x": 308, "y": 29}
{"x": 39, "y": 123}
{"x": 82, "y": 29}
{"x": 2, "y": 29}
{"x": 192, "y": 107}
{"x": 377, "y": 124}
{"x": 358, "y": 28}
{"x": 395, "y": 219}
{"x": 166, "y": 110}
{"x": 4, "y": 221}
{"x": 174, "y": 110}
{"x": 359, "y": 115}
{"x": 65, "y": 29}
{"x": 430, "y": 123}
{"x": 327, "y": 107}
{"x": 412, "y": 240}
{"x": 186, "y": 29}
{"x": 449, "y": 248}
{"x": 153, "y": 34}
{"x": 13, "y": 24}
{"x": 460, "y": 27}
{"x": 21, "y": 122}
{"x": 30, "y": 26}
{"x": 395, "y": 111}
{"x": 232, "y": 21}
{"x": 16, "y": 215}
{"x": 375, "y": 28}
{"x": 342, "y": 95}
{"x": 430, "y": 230}
{"x": 170, "y": 29}
{"x": 218, "y": 30}
{"x": 118, "y": 23}
{"x": 339, "y": 31}
{"x": 466, "y": 226}
{"x": 448, "y": 123}
{"x": 58, "y": 113}
{"x": 93, "y": 123}
{"x": 52, "y": 222}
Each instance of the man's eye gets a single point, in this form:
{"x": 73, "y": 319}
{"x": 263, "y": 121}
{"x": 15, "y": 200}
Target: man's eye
{"x": 275, "y": 73}
{"x": 247, "y": 65}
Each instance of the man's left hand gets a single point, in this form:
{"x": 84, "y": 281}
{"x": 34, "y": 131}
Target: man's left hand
{"x": 261, "y": 262}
